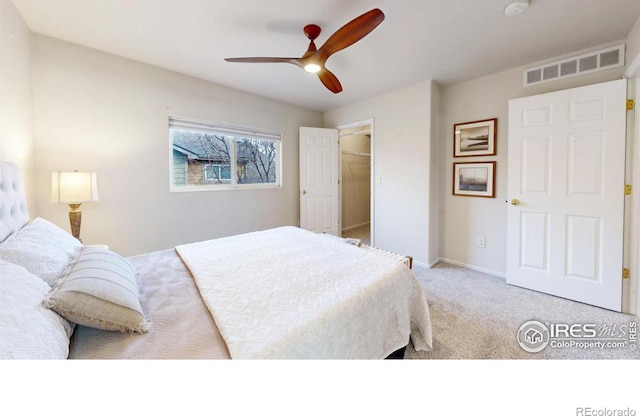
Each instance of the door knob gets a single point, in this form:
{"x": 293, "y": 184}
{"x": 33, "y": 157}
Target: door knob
{"x": 303, "y": 192}
{"x": 515, "y": 202}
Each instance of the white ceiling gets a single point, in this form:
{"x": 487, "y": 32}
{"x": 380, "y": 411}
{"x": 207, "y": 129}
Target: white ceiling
{"x": 443, "y": 40}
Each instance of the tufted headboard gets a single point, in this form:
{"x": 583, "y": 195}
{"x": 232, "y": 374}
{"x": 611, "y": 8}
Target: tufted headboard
{"x": 14, "y": 212}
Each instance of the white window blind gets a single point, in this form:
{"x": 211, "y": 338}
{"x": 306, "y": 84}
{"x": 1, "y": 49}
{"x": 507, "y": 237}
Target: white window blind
{"x": 222, "y": 129}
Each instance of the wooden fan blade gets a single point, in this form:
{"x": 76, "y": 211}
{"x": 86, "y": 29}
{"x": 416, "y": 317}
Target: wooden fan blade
{"x": 329, "y": 80}
{"x": 264, "y": 60}
{"x": 352, "y": 32}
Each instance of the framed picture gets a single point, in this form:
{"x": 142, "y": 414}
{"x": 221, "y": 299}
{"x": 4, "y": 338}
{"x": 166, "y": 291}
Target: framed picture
{"x": 476, "y": 138}
{"x": 474, "y": 179}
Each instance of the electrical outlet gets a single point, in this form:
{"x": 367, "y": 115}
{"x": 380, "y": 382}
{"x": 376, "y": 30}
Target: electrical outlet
{"x": 482, "y": 243}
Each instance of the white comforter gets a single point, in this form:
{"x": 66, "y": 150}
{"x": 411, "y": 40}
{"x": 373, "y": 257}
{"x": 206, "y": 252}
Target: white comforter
{"x": 290, "y": 293}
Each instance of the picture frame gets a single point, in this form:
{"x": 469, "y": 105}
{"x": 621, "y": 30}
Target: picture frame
{"x": 475, "y": 138}
{"x": 474, "y": 179}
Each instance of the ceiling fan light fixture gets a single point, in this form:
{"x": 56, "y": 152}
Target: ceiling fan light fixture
{"x": 313, "y": 59}
{"x": 313, "y": 68}
{"x": 516, "y": 7}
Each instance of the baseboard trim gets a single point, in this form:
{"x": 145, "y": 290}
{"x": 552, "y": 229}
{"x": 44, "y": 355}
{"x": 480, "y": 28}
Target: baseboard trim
{"x": 472, "y": 267}
{"x": 351, "y": 227}
{"x": 426, "y": 265}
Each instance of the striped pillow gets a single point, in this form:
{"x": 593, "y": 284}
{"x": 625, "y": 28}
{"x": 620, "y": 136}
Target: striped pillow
{"x": 100, "y": 291}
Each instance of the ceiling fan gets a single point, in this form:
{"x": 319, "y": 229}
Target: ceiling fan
{"x": 314, "y": 59}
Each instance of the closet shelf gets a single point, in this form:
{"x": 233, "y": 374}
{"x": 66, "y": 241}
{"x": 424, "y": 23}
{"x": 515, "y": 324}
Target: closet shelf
{"x": 345, "y": 152}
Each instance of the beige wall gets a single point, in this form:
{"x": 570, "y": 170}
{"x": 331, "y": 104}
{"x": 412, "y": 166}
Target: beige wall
{"x": 402, "y": 131}
{"x": 465, "y": 219}
{"x": 16, "y": 133}
{"x": 96, "y": 111}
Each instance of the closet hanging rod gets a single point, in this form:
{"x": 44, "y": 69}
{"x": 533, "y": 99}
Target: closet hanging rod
{"x": 346, "y": 152}
{"x": 357, "y": 133}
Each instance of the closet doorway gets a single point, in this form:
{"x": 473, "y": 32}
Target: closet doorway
{"x": 356, "y": 189}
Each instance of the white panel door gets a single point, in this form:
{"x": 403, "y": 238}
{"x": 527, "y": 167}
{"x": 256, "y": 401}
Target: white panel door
{"x": 319, "y": 186}
{"x": 566, "y": 193}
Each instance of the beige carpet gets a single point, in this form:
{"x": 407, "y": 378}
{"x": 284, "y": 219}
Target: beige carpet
{"x": 477, "y": 316}
{"x": 361, "y": 232}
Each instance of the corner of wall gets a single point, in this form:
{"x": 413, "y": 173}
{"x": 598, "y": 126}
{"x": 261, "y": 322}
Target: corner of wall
{"x": 632, "y": 51}
{"x": 435, "y": 199}
{"x": 16, "y": 119}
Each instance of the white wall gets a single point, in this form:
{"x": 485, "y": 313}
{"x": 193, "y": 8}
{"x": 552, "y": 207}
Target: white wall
{"x": 467, "y": 218}
{"x": 16, "y": 132}
{"x": 437, "y": 172}
{"x": 99, "y": 112}
{"x": 633, "y": 48}
{"x": 402, "y": 129}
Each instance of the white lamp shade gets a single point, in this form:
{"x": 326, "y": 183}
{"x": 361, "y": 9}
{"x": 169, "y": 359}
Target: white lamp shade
{"x": 74, "y": 187}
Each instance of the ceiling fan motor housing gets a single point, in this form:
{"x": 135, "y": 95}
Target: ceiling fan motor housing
{"x": 312, "y": 31}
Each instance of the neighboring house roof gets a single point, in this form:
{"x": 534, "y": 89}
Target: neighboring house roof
{"x": 196, "y": 147}
{"x": 193, "y": 146}
{"x": 185, "y": 152}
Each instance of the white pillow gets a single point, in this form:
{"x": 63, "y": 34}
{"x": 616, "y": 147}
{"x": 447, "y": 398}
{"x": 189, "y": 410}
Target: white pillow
{"x": 100, "y": 291}
{"x": 28, "y": 330}
{"x": 42, "y": 248}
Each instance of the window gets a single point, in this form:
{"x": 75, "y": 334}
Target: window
{"x": 209, "y": 156}
{"x": 217, "y": 173}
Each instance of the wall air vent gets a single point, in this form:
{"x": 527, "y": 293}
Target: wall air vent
{"x": 600, "y": 60}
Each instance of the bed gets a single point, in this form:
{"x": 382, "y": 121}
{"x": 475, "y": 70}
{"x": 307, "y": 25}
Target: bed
{"x": 283, "y": 293}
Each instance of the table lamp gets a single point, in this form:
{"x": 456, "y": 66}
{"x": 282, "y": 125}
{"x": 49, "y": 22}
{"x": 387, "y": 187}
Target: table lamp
{"x": 74, "y": 188}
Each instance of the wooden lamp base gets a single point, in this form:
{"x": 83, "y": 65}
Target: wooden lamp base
{"x": 75, "y": 219}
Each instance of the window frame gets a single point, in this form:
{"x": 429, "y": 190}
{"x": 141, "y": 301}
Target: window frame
{"x": 234, "y": 134}
{"x": 219, "y": 167}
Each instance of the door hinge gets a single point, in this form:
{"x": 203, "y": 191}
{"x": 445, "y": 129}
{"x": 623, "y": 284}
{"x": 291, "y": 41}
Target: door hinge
{"x": 625, "y": 273}
{"x": 627, "y": 189}
{"x": 630, "y": 104}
